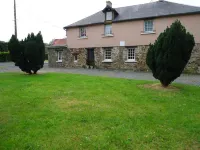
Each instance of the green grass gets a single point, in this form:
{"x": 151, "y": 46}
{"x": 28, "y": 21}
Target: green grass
{"x": 65, "y": 111}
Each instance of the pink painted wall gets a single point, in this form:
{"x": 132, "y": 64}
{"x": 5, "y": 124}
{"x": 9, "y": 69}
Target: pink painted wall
{"x": 130, "y": 32}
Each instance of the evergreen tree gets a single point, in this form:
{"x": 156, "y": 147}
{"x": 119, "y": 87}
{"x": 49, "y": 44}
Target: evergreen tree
{"x": 3, "y": 46}
{"x": 170, "y": 53}
{"x": 15, "y": 49}
{"x": 29, "y": 53}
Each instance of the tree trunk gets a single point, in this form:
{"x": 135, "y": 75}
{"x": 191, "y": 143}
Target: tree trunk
{"x": 164, "y": 84}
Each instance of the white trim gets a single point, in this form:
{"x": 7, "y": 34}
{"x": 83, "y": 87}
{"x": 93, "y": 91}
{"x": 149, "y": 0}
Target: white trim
{"x": 145, "y": 21}
{"x": 59, "y": 53}
{"x": 107, "y": 29}
{"x": 107, "y": 60}
{"x": 59, "y": 61}
{"x": 109, "y": 16}
{"x": 83, "y": 37}
{"x": 130, "y": 61}
{"x": 75, "y": 60}
{"x": 82, "y": 30}
{"x": 144, "y": 33}
{"x": 105, "y": 54}
{"x": 107, "y": 35}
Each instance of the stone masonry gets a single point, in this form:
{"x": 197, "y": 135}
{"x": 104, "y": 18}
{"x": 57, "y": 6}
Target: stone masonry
{"x": 119, "y": 59}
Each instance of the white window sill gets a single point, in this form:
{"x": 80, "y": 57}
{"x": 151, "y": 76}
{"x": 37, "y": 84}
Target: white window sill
{"x": 107, "y": 61}
{"x": 75, "y": 61}
{"x": 130, "y": 61}
{"x": 144, "y": 33}
{"x": 107, "y": 35}
{"x": 59, "y": 61}
{"x": 83, "y": 37}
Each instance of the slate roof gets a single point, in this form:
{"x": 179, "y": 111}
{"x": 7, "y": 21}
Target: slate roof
{"x": 149, "y": 10}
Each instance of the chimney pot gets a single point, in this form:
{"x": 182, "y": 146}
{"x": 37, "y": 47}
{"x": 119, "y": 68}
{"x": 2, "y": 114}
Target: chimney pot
{"x": 109, "y": 3}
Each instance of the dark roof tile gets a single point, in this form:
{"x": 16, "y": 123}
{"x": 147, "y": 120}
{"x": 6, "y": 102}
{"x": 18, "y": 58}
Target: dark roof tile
{"x": 148, "y": 10}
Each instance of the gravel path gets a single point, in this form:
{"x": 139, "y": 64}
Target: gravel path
{"x": 185, "y": 79}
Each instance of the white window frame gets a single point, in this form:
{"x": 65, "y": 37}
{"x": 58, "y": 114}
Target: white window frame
{"x": 109, "y": 15}
{"x": 108, "y": 29}
{"x": 82, "y": 32}
{"x": 60, "y": 56}
{"x": 108, "y": 55}
{"x": 148, "y": 26}
{"x": 131, "y": 55}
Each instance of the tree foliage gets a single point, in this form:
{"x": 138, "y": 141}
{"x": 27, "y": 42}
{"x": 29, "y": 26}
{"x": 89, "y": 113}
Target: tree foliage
{"x": 170, "y": 53}
{"x": 3, "y": 46}
{"x": 28, "y": 54}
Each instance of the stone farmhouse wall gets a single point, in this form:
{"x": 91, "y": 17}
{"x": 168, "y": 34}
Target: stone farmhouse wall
{"x": 119, "y": 57}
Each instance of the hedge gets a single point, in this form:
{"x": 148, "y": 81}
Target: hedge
{"x": 5, "y": 56}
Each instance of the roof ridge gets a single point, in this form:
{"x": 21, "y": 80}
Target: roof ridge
{"x": 139, "y": 11}
{"x": 182, "y": 4}
{"x": 164, "y": 1}
{"x": 135, "y": 5}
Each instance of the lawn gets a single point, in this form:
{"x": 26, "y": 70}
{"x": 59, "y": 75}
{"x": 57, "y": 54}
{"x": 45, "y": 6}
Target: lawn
{"x": 66, "y": 111}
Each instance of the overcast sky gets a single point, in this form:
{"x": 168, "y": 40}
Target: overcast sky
{"x": 50, "y": 16}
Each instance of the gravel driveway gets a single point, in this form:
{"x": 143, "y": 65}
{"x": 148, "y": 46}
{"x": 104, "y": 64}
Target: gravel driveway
{"x": 185, "y": 79}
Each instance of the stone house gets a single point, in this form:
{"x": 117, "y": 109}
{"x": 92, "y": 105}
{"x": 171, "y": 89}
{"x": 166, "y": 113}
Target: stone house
{"x": 56, "y": 50}
{"x": 118, "y": 38}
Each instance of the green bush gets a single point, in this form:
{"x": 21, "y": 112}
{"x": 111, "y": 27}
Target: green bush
{"x": 170, "y": 53}
{"x": 28, "y": 54}
{"x": 4, "y": 56}
{"x": 3, "y": 46}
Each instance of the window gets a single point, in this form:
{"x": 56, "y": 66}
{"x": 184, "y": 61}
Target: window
{"x": 148, "y": 26}
{"x": 131, "y": 54}
{"x": 108, "y": 29}
{"x": 107, "y": 54}
{"x": 59, "y": 56}
{"x": 82, "y": 32}
{"x": 75, "y": 58}
{"x": 109, "y": 16}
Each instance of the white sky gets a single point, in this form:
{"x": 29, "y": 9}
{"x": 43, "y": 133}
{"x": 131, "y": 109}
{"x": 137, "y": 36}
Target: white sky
{"x": 50, "y": 16}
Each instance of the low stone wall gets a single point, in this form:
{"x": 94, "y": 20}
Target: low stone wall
{"x": 119, "y": 58}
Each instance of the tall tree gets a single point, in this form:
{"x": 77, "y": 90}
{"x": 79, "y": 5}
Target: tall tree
{"x": 3, "y": 46}
{"x": 170, "y": 53}
{"x": 29, "y": 53}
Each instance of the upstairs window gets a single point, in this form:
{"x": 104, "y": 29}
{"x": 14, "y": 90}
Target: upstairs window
{"x": 108, "y": 29}
{"x": 148, "y": 26}
{"x": 109, "y": 15}
{"x": 82, "y": 32}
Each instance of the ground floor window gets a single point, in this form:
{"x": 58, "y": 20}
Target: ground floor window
{"x": 107, "y": 54}
{"x": 75, "y": 58}
{"x": 131, "y": 54}
{"x": 59, "y": 53}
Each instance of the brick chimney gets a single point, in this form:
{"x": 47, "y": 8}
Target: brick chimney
{"x": 109, "y": 3}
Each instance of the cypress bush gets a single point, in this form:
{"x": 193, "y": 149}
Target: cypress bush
{"x": 170, "y": 53}
{"x": 3, "y": 46}
{"x": 28, "y": 54}
{"x": 4, "y": 56}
